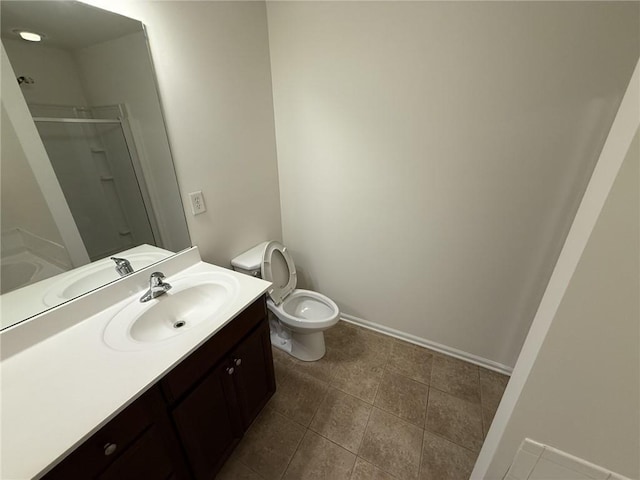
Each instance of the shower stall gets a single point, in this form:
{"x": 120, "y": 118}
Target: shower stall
{"x": 95, "y": 160}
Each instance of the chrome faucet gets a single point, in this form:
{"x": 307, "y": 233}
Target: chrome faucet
{"x": 123, "y": 267}
{"x": 156, "y": 287}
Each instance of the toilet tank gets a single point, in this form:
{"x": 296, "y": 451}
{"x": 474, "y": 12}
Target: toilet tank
{"x": 250, "y": 261}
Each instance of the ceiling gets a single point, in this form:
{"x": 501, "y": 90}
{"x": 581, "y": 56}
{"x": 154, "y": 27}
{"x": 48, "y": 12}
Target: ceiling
{"x": 65, "y": 24}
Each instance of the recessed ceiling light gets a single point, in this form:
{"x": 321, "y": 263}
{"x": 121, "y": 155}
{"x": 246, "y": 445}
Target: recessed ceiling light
{"x": 30, "y": 36}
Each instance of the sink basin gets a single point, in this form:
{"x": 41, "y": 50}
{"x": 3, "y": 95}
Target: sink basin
{"x": 94, "y": 275}
{"x": 193, "y": 300}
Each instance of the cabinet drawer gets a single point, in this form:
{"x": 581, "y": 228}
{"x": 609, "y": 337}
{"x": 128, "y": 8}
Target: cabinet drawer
{"x": 146, "y": 459}
{"x": 184, "y": 376}
{"x": 109, "y": 442}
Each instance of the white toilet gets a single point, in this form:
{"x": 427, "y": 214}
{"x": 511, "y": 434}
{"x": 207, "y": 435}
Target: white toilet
{"x": 300, "y": 315}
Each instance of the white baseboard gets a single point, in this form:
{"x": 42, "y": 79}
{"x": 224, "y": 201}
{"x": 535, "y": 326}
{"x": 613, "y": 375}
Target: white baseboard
{"x": 423, "y": 342}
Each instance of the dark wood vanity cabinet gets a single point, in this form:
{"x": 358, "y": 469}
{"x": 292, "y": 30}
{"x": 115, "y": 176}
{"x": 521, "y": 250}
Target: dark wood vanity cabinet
{"x": 253, "y": 375}
{"x": 187, "y": 425}
{"x": 207, "y": 423}
{"x": 128, "y": 447}
{"x": 150, "y": 457}
{"x": 211, "y": 417}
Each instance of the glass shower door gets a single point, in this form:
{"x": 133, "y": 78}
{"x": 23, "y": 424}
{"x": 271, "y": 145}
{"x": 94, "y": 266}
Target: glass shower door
{"x": 95, "y": 171}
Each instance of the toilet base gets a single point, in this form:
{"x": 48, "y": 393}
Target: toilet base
{"x": 307, "y": 347}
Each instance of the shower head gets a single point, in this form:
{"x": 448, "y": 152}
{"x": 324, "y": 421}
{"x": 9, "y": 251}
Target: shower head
{"x": 25, "y": 80}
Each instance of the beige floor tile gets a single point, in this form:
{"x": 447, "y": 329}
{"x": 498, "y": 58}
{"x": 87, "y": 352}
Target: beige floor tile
{"x": 492, "y": 385}
{"x": 281, "y": 367}
{"x": 342, "y": 418}
{"x": 340, "y": 336}
{"x": 411, "y": 361}
{"x": 456, "y": 377}
{"x": 392, "y": 444}
{"x": 444, "y": 460}
{"x": 410, "y": 386}
{"x": 234, "y": 470}
{"x": 358, "y": 378}
{"x": 456, "y": 419}
{"x": 318, "y": 458}
{"x": 366, "y": 347}
{"x": 279, "y": 355}
{"x": 321, "y": 369}
{"x": 269, "y": 444}
{"x": 298, "y": 395}
{"x": 403, "y": 397}
{"x": 364, "y": 470}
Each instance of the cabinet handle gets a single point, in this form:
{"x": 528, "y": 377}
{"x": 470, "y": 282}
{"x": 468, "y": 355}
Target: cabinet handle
{"x": 230, "y": 370}
{"x": 109, "y": 448}
{"x": 238, "y": 362}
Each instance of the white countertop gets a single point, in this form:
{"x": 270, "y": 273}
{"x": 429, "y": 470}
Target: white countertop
{"x": 29, "y": 300}
{"x": 58, "y": 392}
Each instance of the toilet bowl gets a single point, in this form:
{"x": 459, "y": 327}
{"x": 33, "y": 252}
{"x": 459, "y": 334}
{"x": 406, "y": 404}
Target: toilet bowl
{"x": 298, "y": 317}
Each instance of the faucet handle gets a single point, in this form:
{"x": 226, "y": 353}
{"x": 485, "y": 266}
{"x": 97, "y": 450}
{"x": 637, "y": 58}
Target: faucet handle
{"x": 156, "y": 287}
{"x": 120, "y": 261}
{"x": 156, "y": 279}
{"x": 123, "y": 267}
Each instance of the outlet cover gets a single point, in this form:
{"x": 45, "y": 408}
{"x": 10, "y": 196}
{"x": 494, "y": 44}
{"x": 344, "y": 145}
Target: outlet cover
{"x": 197, "y": 203}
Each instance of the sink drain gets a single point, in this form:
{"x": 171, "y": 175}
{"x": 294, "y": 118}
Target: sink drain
{"x": 179, "y": 323}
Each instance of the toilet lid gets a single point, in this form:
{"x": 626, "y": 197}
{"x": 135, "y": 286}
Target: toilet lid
{"x": 278, "y": 267}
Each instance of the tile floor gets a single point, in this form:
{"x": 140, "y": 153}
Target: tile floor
{"x": 374, "y": 408}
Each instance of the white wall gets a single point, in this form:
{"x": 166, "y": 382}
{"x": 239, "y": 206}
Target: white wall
{"x": 583, "y": 392}
{"x": 212, "y": 65}
{"x": 54, "y": 70}
{"x": 432, "y": 155}
{"x": 117, "y": 72}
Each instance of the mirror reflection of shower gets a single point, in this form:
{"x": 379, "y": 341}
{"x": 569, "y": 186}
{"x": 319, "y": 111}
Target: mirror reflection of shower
{"x": 91, "y": 174}
{"x": 94, "y": 157}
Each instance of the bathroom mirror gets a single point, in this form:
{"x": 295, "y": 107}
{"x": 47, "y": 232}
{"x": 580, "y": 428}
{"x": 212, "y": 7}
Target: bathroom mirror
{"x": 86, "y": 166}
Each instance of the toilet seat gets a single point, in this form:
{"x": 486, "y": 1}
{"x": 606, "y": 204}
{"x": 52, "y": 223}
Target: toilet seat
{"x": 306, "y": 310}
{"x": 276, "y": 260}
{"x": 301, "y": 316}
{"x": 300, "y": 309}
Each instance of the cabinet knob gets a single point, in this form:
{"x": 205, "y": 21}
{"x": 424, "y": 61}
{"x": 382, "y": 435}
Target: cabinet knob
{"x": 109, "y": 448}
{"x": 237, "y": 361}
{"x": 230, "y": 370}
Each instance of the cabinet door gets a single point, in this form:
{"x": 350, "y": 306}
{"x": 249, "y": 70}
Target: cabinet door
{"x": 207, "y": 422}
{"x": 195, "y": 367}
{"x": 254, "y": 377}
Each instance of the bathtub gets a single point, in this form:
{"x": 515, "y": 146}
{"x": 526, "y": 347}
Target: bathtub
{"x": 24, "y": 268}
